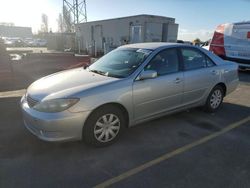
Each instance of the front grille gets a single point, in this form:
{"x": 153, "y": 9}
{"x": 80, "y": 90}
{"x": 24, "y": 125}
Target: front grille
{"x": 31, "y": 102}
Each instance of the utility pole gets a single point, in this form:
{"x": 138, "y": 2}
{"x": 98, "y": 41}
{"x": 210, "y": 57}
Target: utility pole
{"x": 77, "y": 9}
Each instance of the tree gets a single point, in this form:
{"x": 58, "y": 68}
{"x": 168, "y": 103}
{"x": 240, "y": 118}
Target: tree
{"x": 60, "y": 23}
{"x": 67, "y": 20}
{"x": 196, "y": 41}
{"x": 45, "y": 24}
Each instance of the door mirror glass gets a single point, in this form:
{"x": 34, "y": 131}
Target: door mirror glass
{"x": 148, "y": 74}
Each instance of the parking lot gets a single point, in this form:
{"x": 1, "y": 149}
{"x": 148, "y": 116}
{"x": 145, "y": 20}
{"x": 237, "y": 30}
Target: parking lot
{"x": 187, "y": 149}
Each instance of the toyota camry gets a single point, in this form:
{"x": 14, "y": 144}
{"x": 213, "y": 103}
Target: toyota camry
{"x": 130, "y": 85}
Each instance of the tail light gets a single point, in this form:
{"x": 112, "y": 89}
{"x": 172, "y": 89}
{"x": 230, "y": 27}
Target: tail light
{"x": 217, "y": 43}
{"x": 248, "y": 34}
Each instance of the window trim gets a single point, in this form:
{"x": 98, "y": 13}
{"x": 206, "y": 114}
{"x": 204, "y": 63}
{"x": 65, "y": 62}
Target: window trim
{"x": 197, "y": 50}
{"x": 208, "y": 58}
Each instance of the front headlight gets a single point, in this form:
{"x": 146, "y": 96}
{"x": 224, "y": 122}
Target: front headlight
{"x": 55, "y": 105}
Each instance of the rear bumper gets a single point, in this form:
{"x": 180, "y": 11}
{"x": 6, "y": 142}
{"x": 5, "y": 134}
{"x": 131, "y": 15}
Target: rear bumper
{"x": 240, "y": 62}
{"x": 62, "y": 126}
{"x": 244, "y": 65}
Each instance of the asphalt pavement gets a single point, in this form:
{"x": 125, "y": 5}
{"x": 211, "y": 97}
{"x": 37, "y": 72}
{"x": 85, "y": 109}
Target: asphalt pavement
{"x": 187, "y": 149}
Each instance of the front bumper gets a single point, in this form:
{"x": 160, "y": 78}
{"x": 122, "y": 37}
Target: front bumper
{"x": 61, "y": 126}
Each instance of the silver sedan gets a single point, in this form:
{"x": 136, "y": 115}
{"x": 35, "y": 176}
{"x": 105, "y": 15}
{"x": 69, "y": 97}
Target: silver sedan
{"x": 132, "y": 84}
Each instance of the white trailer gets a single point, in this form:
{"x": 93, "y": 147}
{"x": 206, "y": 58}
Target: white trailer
{"x": 99, "y": 37}
{"x": 232, "y": 41}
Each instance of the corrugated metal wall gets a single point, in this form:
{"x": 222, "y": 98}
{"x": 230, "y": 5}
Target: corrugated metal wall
{"x": 102, "y": 36}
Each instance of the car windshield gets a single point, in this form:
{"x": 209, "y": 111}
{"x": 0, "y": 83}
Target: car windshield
{"x": 120, "y": 63}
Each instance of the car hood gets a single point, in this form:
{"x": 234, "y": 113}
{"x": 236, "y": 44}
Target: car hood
{"x": 66, "y": 83}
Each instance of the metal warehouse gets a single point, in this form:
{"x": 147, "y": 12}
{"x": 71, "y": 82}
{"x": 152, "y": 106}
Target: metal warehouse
{"x": 99, "y": 37}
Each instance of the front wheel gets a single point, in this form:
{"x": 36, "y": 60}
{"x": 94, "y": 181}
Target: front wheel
{"x": 214, "y": 99}
{"x": 104, "y": 126}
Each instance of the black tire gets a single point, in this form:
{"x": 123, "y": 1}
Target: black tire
{"x": 97, "y": 117}
{"x": 210, "y": 106}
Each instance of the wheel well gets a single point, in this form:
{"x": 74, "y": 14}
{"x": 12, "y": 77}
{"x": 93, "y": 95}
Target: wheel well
{"x": 118, "y": 105}
{"x": 224, "y": 87}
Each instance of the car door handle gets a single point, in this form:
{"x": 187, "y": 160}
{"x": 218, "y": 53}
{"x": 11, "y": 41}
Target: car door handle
{"x": 213, "y": 72}
{"x": 177, "y": 80}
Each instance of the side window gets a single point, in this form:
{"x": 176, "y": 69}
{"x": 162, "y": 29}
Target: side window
{"x": 165, "y": 62}
{"x": 210, "y": 63}
{"x": 192, "y": 59}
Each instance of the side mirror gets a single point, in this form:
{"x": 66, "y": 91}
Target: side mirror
{"x": 148, "y": 74}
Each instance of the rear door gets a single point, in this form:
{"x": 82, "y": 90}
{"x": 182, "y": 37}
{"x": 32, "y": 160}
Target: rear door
{"x": 200, "y": 75}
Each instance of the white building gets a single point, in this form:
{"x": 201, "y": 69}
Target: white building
{"x": 99, "y": 37}
{"x": 15, "y": 31}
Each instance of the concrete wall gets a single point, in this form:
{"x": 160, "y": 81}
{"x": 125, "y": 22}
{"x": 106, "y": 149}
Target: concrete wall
{"x": 60, "y": 41}
{"x": 102, "y": 36}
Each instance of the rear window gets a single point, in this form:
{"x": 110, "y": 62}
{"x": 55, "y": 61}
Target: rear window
{"x": 193, "y": 59}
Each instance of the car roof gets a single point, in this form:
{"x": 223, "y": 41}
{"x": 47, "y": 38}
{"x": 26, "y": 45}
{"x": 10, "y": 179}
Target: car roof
{"x": 162, "y": 45}
{"x": 153, "y": 45}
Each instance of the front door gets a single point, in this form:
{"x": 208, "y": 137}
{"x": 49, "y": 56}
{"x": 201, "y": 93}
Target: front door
{"x": 160, "y": 94}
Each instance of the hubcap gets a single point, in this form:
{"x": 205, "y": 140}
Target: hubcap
{"x": 215, "y": 99}
{"x": 107, "y": 127}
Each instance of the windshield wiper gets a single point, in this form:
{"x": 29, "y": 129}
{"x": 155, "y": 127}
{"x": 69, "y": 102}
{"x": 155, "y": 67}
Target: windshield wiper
{"x": 98, "y": 72}
{"x": 104, "y": 73}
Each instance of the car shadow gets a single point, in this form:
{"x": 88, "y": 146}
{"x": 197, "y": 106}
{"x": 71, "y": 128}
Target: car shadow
{"x": 88, "y": 165}
{"x": 244, "y": 76}
{"x": 188, "y": 125}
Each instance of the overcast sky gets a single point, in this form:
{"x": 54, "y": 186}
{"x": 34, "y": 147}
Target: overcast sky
{"x": 196, "y": 18}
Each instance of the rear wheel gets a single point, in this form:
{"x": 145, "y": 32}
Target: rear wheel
{"x": 104, "y": 126}
{"x": 214, "y": 99}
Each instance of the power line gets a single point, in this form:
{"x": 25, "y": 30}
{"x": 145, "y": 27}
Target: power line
{"x": 77, "y": 9}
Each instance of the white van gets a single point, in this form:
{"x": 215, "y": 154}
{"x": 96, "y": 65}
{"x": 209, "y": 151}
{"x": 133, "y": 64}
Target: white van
{"x": 232, "y": 41}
